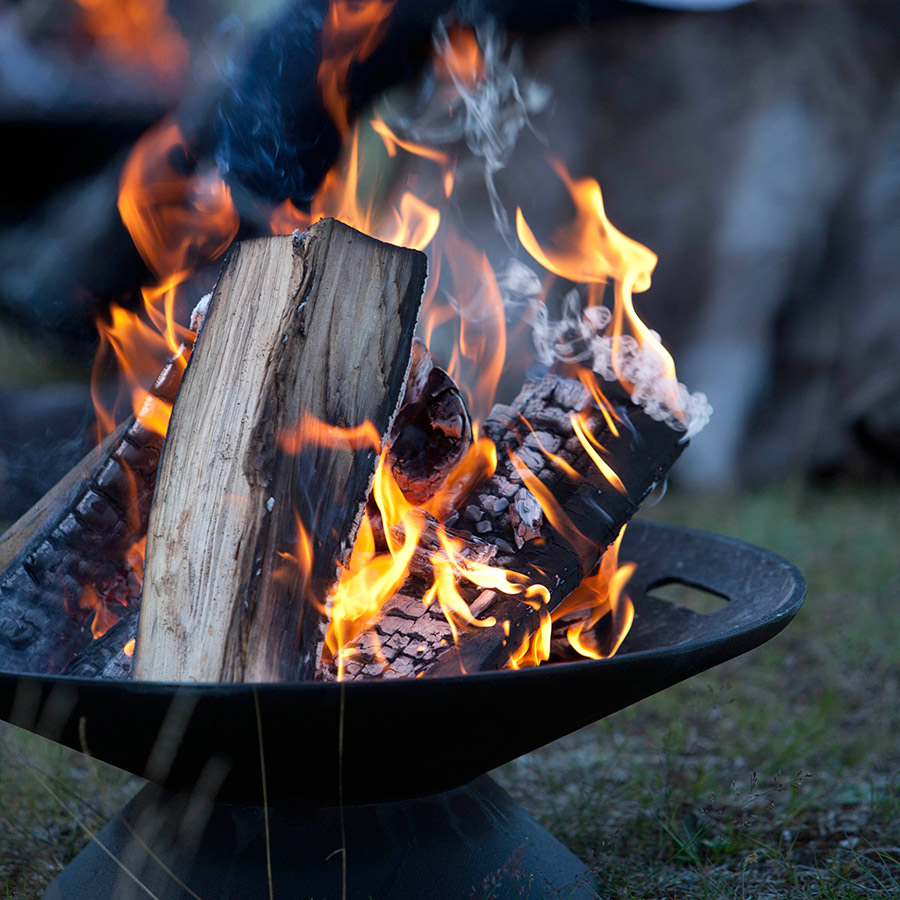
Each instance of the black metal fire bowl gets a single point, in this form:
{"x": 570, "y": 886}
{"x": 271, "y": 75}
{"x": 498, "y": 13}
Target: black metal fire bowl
{"x": 371, "y": 790}
{"x": 411, "y": 738}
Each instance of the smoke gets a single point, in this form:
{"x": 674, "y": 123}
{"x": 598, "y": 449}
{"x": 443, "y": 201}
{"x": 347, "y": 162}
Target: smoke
{"x": 488, "y": 115}
{"x": 577, "y": 336}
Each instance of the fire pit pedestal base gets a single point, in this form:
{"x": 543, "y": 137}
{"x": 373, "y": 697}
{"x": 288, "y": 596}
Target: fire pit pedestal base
{"x": 471, "y": 842}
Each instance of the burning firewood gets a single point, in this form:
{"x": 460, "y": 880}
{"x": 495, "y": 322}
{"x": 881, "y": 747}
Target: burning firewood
{"x": 542, "y": 463}
{"x": 271, "y": 451}
{"x": 71, "y": 566}
{"x": 432, "y": 431}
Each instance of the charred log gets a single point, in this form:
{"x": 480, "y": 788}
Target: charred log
{"x": 409, "y": 639}
{"x": 73, "y": 562}
{"x": 432, "y": 431}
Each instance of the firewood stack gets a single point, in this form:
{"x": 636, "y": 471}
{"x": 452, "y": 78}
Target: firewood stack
{"x": 247, "y": 535}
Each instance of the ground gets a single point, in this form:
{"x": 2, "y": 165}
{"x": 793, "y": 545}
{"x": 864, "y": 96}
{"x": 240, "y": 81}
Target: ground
{"x": 776, "y": 775}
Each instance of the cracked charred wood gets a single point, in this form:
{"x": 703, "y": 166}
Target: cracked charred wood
{"x": 538, "y": 450}
{"x": 72, "y": 562}
{"x": 230, "y": 591}
{"x": 472, "y": 552}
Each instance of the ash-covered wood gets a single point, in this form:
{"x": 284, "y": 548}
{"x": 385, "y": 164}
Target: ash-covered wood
{"x": 410, "y": 639}
{"x": 75, "y": 555}
{"x": 313, "y": 329}
{"x": 472, "y": 551}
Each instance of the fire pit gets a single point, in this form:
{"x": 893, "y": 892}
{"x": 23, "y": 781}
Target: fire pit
{"x": 368, "y": 511}
{"x": 326, "y": 760}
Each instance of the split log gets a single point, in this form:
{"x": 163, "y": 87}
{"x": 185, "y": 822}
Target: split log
{"x": 311, "y": 328}
{"x": 71, "y": 561}
{"x": 408, "y": 639}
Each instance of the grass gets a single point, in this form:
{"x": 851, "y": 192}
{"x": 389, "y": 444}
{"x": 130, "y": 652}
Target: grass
{"x": 775, "y": 775}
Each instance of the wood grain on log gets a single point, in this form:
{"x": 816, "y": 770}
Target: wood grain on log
{"x": 321, "y": 327}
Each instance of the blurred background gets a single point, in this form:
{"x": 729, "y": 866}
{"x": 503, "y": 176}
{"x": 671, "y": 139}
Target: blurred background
{"x": 756, "y": 150}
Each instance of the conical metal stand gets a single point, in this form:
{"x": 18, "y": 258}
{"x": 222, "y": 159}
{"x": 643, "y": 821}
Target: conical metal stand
{"x": 466, "y": 844}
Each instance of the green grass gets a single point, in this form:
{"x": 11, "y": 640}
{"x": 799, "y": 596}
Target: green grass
{"x": 51, "y": 800}
{"x": 775, "y": 775}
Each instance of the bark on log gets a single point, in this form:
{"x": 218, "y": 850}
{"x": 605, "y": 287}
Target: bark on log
{"x": 407, "y": 639}
{"x": 75, "y": 545}
{"x": 318, "y": 326}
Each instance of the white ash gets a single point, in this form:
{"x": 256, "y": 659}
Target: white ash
{"x": 577, "y": 337}
{"x": 270, "y": 504}
{"x": 198, "y": 316}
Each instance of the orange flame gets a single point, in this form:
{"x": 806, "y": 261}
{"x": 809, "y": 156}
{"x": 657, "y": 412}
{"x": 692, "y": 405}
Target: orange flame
{"x": 552, "y": 510}
{"x": 302, "y": 557}
{"x": 413, "y": 223}
{"x": 352, "y": 31}
{"x": 104, "y": 618}
{"x": 371, "y": 578}
{"x": 589, "y": 380}
{"x": 180, "y": 216}
{"x": 482, "y": 324}
{"x": 461, "y": 61}
{"x": 137, "y": 34}
{"x": 392, "y": 142}
{"x": 176, "y": 220}
{"x": 591, "y": 446}
{"x": 591, "y": 250}
{"x": 480, "y": 462}
{"x": 597, "y": 596}
{"x": 455, "y": 609}
{"x": 311, "y": 431}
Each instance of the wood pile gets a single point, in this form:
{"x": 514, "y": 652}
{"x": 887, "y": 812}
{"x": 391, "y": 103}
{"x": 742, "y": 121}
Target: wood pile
{"x": 248, "y": 531}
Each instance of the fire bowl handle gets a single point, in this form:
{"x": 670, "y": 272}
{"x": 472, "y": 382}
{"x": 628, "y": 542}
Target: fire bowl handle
{"x": 748, "y": 578}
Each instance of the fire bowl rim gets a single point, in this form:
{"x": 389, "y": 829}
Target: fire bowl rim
{"x": 124, "y": 719}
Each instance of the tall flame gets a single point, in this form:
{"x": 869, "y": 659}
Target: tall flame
{"x": 179, "y": 217}
{"x": 352, "y": 31}
{"x": 592, "y": 250}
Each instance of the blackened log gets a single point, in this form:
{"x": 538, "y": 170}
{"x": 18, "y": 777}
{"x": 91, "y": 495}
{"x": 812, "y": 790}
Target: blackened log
{"x": 407, "y": 639}
{"x": 330, "y": 344}
{"x": 75, "y": 556}
{"x": 432, "y": 431}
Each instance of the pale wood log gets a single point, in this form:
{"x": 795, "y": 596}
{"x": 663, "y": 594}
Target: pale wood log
{"x": 321, "y": 326}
